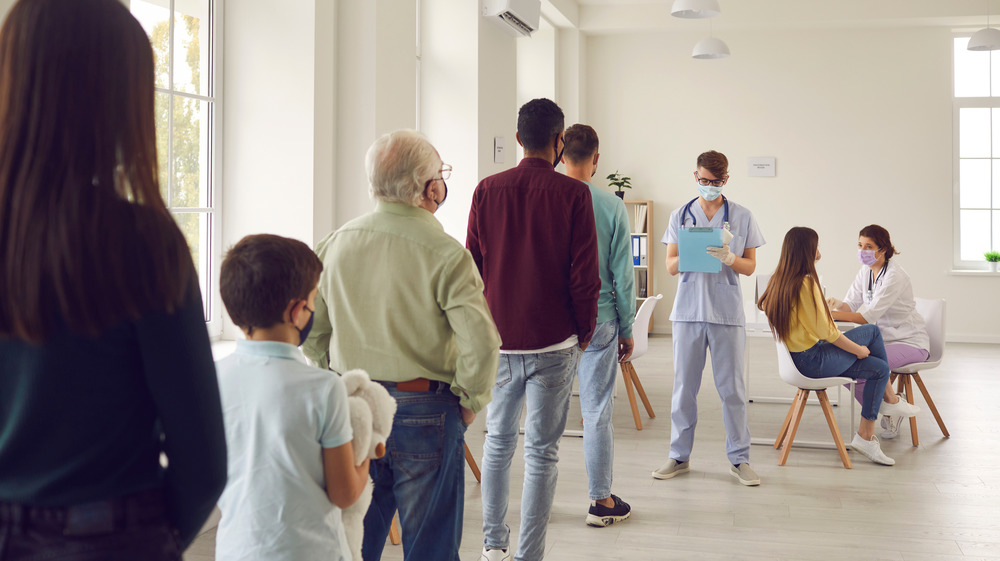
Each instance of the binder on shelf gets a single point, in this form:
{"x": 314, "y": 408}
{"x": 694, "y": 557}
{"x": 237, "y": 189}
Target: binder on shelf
{"x": 642, "y": 250}
{"x": 635, "y": 249}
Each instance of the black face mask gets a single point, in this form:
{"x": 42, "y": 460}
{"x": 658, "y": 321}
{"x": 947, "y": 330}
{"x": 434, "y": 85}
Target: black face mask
{"x": 428, "y": 184}
{"x": 559, "y": 157}
{"x": 304, "y": 332}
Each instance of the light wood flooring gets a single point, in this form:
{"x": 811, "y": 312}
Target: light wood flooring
{"x": 941, "y": 501}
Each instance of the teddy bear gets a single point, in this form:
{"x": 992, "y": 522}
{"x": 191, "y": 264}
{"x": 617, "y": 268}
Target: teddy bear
{"x": 372, "y": 411}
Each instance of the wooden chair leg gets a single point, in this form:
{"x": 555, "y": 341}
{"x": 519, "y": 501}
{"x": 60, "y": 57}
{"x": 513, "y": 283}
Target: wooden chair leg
{"x": 824, "y": 402}
{"x": 394, "y": 536}
{"x": 900, "y": 381}
{"x": 641, "y": 391}
{"x": 930, "y": 403}
{"x": 913, "y": 420}
{"x": 800, "y": 405}
{"x": 784, "y": 425}
{"x": 472, "y": 464}
{"x": 626, "y": 366}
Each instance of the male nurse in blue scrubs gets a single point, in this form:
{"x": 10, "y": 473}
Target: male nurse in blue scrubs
{"x": 708, "y": 314}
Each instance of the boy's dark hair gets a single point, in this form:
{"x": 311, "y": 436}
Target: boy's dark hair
{"x": 581, "y": 143}
{"x": 261, "y": 274}
{"x": 537, "y": 122}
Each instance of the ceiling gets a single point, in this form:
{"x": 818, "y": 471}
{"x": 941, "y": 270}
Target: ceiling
{"x": 620, "y": 16}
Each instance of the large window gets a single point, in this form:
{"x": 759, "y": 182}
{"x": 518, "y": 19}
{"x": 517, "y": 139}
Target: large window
{"x": 183, "y": 35}
{"x": 977, "y": 154}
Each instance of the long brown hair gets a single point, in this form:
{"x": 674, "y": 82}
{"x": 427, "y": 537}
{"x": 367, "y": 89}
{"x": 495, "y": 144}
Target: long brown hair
{"x": 85, "y": 237}
{"x": 797, "y": 261}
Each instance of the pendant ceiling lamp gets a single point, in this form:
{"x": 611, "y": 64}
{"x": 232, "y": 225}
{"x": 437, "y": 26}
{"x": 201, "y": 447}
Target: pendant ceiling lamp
{"x": 710, "y": 47}
{"x": 695, "y": 8}
{"x": 986, "y": 39}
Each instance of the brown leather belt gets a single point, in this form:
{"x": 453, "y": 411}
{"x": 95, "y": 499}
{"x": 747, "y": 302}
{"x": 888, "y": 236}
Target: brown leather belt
{"x": 418, "y": 385}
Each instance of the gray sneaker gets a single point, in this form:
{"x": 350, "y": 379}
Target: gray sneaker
{"x": 745, "y": 474}
{"x": 871, "y": 450}
{"x": 890, "y": 426}
{"x": 671, "y": 469}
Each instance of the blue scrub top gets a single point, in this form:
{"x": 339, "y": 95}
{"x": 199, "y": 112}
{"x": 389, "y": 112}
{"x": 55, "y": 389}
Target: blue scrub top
{"x": 714, "y": 297}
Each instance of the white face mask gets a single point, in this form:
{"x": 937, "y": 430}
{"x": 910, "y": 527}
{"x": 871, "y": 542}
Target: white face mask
{"x": 709, "y": 192}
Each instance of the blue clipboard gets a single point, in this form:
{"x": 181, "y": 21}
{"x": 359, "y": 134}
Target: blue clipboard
{"x": 692, "y": 249}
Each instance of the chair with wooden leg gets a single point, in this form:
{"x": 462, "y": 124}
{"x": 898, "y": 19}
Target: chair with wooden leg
{"x": 933, "y": 313}
{"x": 394, "y": 536}
{"x": 791, "y": 375}
{"x": 640, "y": 338}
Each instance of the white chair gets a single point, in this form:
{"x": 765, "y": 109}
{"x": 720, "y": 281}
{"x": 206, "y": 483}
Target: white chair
{"x": 933, "y": 314}
{"x": 640, "y": 338}
{"x": 791, "y": 375}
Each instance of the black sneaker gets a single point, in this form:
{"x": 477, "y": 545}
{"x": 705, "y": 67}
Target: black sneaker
{"x": 602, "y": 516}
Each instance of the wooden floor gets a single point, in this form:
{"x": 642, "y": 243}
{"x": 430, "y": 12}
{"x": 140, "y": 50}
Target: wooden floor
{"x": 940, "y": 501}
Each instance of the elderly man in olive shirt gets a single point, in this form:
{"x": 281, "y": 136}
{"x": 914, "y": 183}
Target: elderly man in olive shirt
{"x": 404, "y": 301}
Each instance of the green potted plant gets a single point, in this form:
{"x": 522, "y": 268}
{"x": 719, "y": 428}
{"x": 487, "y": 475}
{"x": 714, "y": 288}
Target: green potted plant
{"x": 620, "y": 182}
{"x": 992, "y": 257}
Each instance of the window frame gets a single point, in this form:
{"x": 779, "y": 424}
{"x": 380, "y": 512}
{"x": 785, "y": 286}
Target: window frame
{"x": 211, "y": 298}
{"x": 959, "y": 103}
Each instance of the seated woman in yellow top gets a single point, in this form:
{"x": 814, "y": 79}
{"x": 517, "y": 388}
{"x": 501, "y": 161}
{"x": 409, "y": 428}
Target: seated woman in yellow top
{"x": 799, "y": 317}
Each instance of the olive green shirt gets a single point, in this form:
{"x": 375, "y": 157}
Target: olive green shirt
{"x": 401, "y": 299}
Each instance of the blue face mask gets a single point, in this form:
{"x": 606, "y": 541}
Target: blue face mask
{"x": 709, "y": 192}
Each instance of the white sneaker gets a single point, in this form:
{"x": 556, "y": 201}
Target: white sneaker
{"x": 495, "y": 555}
{"x": 871, "y": 450}
{"x": 901, "y": 408}
{"x": 890, "y": 426}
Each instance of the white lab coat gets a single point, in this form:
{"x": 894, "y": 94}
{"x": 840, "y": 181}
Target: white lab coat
{"x": 890, "y": 306}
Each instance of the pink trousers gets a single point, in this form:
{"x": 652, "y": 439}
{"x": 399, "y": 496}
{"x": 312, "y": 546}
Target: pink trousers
{"x": 898, "y": 355}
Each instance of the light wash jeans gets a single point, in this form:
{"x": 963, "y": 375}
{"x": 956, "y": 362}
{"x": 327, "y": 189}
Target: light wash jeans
{"x": 598, "y": 367}
{"x": 543, "y": 381}
{"x": 422, "y": 475}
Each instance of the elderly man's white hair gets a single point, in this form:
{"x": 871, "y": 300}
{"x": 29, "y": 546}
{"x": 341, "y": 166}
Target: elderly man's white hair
{"x": 399, "y": 164}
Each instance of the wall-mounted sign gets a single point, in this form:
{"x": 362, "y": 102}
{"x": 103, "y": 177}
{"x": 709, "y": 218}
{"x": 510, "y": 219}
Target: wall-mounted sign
{"x": 760, "y": 167}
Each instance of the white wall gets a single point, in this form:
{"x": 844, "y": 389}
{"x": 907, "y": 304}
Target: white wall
{"x": 468, "y": 97}
{"x": 278, "y": 120}
{"x": 860, "y": 122}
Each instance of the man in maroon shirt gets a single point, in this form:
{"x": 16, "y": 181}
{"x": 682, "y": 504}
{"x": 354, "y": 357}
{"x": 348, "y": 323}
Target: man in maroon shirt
{"x": 533, "y": 237}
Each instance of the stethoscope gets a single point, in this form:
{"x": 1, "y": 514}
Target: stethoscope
{"x": 873, "y": 280}
{"x": 694, "y": 221}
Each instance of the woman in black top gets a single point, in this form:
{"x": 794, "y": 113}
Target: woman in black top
{"x": 105, "y": 362}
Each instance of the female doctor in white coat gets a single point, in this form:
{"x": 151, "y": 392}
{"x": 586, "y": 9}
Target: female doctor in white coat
{"x": 882, "y": 294}
{"x": 708, "y": 314}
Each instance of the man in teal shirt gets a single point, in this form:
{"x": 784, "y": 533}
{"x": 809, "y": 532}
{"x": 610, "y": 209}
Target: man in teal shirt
{"x": 612, "y": 341}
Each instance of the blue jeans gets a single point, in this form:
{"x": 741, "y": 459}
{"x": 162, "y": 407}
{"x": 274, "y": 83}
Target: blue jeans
{"x": 598, "y": 367}
{"x": 544, "y": 381}
{"x": 825, "y": 360}
{"x": 422, "y": 475}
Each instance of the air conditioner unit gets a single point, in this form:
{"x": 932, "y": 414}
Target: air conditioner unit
{"x": 519, "y": 17}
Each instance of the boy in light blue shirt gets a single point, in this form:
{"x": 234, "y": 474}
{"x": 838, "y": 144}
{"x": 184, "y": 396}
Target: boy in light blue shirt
{"x": 288, "y": 431}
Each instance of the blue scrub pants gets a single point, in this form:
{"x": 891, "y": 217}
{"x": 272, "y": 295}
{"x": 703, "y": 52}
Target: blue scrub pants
{"x": 726, "y": 344}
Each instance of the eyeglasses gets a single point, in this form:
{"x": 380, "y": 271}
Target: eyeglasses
{"x": 712, "y": 182}
{"x": 445, "y": 171}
